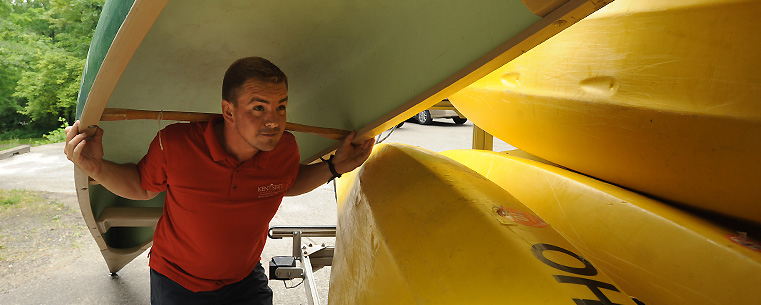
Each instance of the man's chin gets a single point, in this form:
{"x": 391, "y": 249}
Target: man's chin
{"x": 268, "y": 145}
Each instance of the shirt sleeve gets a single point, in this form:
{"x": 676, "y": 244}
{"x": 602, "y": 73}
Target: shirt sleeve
{"x": 295, "y": 170}
{"x": 295, "y": 158}
{"x": 152, "y": 167}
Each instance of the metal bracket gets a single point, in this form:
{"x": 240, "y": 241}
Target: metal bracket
{"x": 312, "y": 258}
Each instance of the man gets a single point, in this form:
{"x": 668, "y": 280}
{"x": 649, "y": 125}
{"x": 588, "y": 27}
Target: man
{"x": 225, "y": 180}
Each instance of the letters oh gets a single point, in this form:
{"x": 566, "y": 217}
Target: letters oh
{"x": 587, "y": 270}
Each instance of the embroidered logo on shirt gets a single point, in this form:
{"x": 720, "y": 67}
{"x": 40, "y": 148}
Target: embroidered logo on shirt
{"x": 270, "y": 190}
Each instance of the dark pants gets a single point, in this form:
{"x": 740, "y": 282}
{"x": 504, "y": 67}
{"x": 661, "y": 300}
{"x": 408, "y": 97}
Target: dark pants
{"x": 251, "y": 290}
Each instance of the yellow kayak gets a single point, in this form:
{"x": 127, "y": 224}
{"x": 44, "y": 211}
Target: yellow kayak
{"x": 415, "y": 227}
{"x": 652, "y": 250}
{"x": 657, "y": 96}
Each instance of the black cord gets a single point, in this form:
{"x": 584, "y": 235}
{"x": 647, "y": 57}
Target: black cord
{"x": 297, "y": 285}
{"x": 335, "y": 191}
{"x": 390, "y": 131}
{"x": 335, "y": 175}
{"x": 331, "y": 167}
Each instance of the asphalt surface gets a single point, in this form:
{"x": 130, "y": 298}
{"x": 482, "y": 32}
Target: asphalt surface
{"x": 82, "y": 277}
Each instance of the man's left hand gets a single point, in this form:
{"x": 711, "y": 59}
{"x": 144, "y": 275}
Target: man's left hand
{"x": 349, "y": 155}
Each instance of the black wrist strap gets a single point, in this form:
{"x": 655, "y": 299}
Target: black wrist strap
{"x": 332, "y": 167}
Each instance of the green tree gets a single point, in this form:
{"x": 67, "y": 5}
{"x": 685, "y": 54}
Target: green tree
{"x": 18, "y": 46}
{"x": 43, "y": 46}
{"x": 73, "y": 23}
{"x": 50, "y": 87}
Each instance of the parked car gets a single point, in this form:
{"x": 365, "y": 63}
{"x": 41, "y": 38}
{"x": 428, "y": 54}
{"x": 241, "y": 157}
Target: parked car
{"x": 442, "y": 110}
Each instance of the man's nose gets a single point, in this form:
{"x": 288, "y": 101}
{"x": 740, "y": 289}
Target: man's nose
{"x": 271, "y": 119}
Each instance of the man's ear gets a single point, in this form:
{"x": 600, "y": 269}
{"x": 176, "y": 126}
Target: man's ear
{"x": 227, "y": 111}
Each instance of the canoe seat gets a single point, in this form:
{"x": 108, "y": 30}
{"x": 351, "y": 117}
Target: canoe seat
{"x": 128, "y": 217}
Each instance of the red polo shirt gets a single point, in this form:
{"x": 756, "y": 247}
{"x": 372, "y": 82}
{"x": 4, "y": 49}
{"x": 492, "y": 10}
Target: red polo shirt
{"x": 217, "y": 210}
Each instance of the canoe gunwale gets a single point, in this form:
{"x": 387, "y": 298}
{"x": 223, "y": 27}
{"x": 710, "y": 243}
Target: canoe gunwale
{"x": 115, "y": 258}
{"x": 134, "y": 28}
{"x": 132, "y": 31}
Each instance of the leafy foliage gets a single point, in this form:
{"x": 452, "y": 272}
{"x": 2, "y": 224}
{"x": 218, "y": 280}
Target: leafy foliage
{"x": 58, "y": 135}
{"x": 51, "y": 86}
{"x": 43, "y": 47}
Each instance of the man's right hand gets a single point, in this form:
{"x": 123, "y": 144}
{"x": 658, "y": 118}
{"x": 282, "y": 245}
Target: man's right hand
{"x": 85, "y": 152}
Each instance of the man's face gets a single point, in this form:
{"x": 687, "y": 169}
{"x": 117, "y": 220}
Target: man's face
{"x": 259, "y": 116}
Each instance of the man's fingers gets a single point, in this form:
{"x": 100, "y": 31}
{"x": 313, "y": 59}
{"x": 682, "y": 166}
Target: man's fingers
{"x": 368, "y": 144}
{"x": 347, "y": 140}
{"x": 76, "y": 153}
{"x": 72, "y": 131}
{"x": 98, "y": 134}
{"x": 367, "y": 149}
{"x": 69, "y": 146}
{"x": 77, "y": 150}
{"x": 73, "y": 143}
{"x": 362, "y": 151}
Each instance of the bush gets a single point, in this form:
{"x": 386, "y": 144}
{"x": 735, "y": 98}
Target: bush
{"x": 58, "y": 135}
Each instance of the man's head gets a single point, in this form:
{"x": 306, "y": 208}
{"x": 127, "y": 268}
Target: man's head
{"x": 246, "y": 68}
{"x": 255, "y": 96}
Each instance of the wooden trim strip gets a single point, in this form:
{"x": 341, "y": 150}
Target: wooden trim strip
{"x": 118, "y": 114}
{"x": 330, "y": 133}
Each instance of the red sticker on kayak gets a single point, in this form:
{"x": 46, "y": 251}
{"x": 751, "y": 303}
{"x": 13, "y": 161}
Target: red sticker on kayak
{"x": 742, "y": 240}
{"x": 521, "y": 217}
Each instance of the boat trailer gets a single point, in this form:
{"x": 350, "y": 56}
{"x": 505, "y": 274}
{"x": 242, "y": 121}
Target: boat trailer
{"x": 311, "y": 257}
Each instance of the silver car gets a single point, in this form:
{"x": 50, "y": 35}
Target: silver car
{"x": 442, "y": 110}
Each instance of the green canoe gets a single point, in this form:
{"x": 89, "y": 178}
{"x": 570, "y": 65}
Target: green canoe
{"x": 352, "y": 65}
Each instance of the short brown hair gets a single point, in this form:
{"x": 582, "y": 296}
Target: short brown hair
{"x": 248, "y": 68}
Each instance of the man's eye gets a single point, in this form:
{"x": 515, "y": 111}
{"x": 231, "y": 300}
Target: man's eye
{"x": 281, "y": 107}
{"x": 259, "y": 108}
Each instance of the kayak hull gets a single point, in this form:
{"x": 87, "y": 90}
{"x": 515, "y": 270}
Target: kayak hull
{"x": 652, "y": 250}
{"x": 654, "y": 96}
{"x": 417, "y": 228}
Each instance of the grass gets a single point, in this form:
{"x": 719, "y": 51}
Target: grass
{"x": 35, "y": 226}
{"x": 12, "y": 197}
{"x": 14, "y": 201}
{"x": 6, "y": 201}
{"x": 54, "y": 136}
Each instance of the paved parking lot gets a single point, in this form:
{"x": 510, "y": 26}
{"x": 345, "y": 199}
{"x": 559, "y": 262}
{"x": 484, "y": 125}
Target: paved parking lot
{"x": 81, "y": 277}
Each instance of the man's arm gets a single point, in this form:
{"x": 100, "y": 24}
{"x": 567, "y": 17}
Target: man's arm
{"x": 122, "y": 180}
{"x": 348, "y": 157}
{"x": 87, "y": 154}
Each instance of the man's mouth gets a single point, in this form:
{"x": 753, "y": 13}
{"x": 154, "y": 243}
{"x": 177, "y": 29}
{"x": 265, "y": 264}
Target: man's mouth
{"x": 269, "y": 133}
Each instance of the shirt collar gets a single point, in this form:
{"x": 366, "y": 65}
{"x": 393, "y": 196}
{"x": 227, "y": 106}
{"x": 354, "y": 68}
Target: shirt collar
{"x": 215, "y": 148}
{"x": 218, "y": 153}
